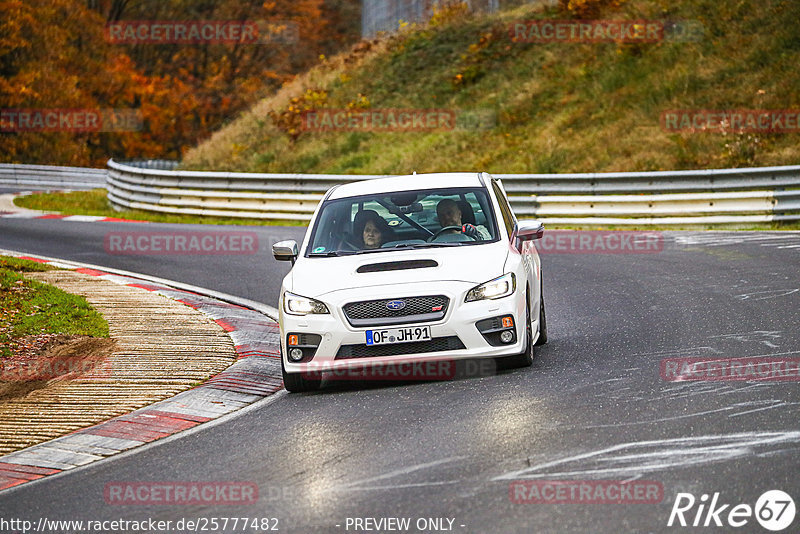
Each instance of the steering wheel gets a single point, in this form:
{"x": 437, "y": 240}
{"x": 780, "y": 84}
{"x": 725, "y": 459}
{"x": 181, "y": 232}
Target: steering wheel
{"x": 443, "y": 230}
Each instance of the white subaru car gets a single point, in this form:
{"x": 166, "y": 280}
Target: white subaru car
{"x": 422, "y": 268}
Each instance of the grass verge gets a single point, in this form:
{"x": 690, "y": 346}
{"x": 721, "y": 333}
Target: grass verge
{"x": 28, "y": 307}
{"x": 94, "y": 202}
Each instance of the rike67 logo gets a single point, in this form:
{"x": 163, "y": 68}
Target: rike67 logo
{"x": 774, "y": 510}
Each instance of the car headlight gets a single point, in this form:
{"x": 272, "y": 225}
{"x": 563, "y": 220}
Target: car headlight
{"x": 297, "y": 305}
{"x": 500, "y": 287}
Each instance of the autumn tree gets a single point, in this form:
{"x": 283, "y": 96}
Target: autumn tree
{"x": 56, "y": 54}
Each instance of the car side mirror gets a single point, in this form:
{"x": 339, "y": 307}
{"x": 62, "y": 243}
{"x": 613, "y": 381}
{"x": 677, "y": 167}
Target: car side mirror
{"x": 527, "y": 231}
{"x": 285, "y": 250}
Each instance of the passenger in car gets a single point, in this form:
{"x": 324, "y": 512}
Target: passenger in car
{"x": 371, "y": 229}
{"x": 451, "y": 214}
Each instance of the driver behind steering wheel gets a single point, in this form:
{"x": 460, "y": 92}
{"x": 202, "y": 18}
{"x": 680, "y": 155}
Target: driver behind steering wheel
{"x": 450, "y": 215}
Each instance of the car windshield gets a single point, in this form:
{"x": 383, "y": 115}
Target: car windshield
{"x": 390, "y": 221}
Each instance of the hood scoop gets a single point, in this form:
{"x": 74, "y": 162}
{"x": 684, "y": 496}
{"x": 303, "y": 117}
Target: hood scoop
{"x": 396, "y": 266}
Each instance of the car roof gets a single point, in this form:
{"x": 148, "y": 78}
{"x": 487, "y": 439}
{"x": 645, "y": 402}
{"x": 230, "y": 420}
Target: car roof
{"x": 409, "y": 182}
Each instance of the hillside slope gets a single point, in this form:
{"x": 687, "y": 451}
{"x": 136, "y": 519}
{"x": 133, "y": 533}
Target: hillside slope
{"x": 557, "y": 107}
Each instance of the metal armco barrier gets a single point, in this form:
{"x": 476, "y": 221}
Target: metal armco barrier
{"x": 47, "y": 176}
{"x": 726, "y": 196}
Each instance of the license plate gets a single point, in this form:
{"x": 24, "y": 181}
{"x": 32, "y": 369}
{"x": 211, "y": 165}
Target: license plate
{"x": 398, "y": 335}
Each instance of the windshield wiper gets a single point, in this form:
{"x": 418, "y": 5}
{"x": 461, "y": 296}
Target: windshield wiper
{"x": 371, "y": 250}
{"x": 333, "y": 253}
{"x": 426, "y": 245}
{"x": 337, "y": 253}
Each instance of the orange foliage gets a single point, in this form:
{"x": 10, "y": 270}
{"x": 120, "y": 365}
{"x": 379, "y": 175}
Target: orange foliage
{"x": 588, "y": 8}
{"x": 54, "y": 54}
{"x": 290, "y": 120}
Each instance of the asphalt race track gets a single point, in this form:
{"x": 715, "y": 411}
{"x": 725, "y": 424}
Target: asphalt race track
{"x": 593, "y": 406}
{"x": 256, "y": 276}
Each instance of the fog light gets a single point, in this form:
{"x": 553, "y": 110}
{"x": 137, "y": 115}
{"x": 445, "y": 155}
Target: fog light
{"x": 506, "y": 336}
{"x": 296, "y": 355}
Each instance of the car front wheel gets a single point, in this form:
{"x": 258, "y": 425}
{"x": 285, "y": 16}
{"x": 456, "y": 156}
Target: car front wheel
{"x": 542, "y": 319}
{"x": 525, "y": 358}
{"x": 297, "y": 383}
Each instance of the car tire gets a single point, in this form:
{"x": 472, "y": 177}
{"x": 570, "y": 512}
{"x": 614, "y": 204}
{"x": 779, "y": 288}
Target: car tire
{"x": 542, "y": 319}
{"x": 297, "y": 383}
{"x": 525, "y": 358}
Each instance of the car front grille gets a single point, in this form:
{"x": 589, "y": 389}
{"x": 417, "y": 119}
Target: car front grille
{"x": 376, "y": 312}
{"x": 439, "y": 344}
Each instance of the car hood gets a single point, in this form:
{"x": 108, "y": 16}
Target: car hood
{"x": 316, "y": 277}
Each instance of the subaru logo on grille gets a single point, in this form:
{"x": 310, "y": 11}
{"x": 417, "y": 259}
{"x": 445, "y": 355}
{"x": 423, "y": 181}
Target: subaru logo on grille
{"x": 396, "y": 305}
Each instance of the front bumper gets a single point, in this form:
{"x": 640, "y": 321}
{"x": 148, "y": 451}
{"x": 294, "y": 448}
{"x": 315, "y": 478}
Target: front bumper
{"x": 459, "y": 322}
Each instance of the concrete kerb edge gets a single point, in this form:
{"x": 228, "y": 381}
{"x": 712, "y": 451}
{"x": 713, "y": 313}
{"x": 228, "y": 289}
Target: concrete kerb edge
{"x": 265, "y": 309}
{"x": 253, "y": 379}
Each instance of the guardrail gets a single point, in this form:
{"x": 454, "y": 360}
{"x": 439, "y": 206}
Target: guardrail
{"x": 49, "y": 176}
{"x": 725, "y": 196}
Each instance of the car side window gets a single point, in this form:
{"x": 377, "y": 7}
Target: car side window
{"x": 505, "y": 209}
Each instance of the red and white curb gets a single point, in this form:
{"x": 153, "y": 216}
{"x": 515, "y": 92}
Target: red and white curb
{"x": 13, "y": 212}
{"x": 256, "y": 375}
